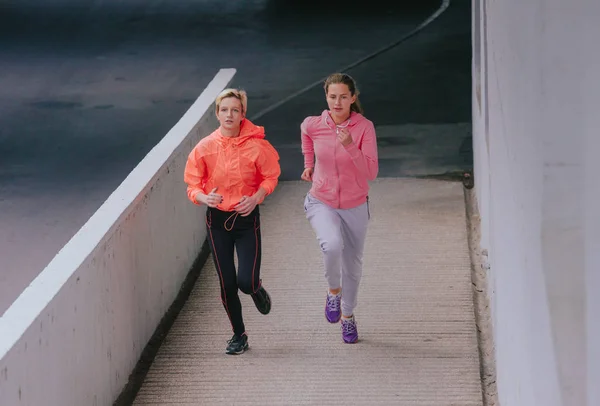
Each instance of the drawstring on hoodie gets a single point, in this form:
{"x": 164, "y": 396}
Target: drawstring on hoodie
{"x": 337, "y": 127}
{"x": 235, "y": 216}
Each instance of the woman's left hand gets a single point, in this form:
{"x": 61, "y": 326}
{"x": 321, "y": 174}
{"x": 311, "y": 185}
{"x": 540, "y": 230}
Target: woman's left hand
{"x": 246, "y": 205}
{"x": 344, "y": 137}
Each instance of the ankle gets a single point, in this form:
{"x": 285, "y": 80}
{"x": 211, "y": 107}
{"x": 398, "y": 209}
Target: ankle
{"x": 335, "y": 291}
{"x": 347, "y": 317}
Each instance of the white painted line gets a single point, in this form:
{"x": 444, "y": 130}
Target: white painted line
{"x": 34, "y": 299}
{"x": 445, "y": 4}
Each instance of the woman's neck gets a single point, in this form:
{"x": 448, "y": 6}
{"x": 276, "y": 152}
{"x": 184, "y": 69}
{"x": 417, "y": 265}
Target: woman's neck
{"x": 339, "y": 120}
{"x": 230, "y": 133}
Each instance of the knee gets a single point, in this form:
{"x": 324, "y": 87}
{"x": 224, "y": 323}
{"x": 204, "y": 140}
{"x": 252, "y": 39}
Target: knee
{"x": 333, "y": 246}
{"x": 354, "y": 276}
{"x": 229, "y": 288}
{"x": 245, "y": 285}
{"x": 357, "y": 261}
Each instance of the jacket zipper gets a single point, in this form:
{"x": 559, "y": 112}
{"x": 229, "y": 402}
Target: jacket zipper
{"x": 337, "y": 170}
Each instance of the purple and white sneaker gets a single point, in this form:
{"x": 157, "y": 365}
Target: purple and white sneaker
{"x": 349, "y": 331}
{"x": 333, "y": 308}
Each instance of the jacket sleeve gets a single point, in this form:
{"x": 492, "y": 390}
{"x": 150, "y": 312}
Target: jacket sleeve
{"x": 365, "y": 158}
{"x": 307, "y": 146}
{"x": 195, "y": 175}
{"x": 268, "y": 166}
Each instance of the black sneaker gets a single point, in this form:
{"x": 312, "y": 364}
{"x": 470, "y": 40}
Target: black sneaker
{"x": 237, "y": 345}
{"x": 262, "y": 300}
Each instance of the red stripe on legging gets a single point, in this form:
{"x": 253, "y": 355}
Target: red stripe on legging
{"x": 220, "y": 276}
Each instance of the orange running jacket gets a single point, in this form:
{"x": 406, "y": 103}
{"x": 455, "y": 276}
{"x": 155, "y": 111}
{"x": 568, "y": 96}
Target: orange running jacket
{"x": 237, "y": 166}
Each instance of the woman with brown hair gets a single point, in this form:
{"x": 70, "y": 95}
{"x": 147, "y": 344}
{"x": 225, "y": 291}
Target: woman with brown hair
{"x": 337, "y": 205}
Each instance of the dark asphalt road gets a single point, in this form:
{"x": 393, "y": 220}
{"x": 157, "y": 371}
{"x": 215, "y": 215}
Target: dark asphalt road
{"x": 87, "y": 88}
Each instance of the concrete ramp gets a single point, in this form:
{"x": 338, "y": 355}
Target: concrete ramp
{"x": 418, "y": 341}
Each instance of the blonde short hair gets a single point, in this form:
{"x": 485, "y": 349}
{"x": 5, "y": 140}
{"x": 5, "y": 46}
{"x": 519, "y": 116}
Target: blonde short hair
{"x": 237, "y": 93}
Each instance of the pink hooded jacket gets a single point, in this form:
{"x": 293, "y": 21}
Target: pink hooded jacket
{"x": 341, "y": 174}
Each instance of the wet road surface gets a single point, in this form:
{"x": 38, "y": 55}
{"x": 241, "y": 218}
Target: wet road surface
{"x": 87, "y": 88}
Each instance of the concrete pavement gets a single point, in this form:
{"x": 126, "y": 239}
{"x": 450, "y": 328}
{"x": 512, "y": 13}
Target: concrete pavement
{"x": 418, "y": 341}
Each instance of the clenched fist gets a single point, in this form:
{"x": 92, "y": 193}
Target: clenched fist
{"x": 307, "y": 174}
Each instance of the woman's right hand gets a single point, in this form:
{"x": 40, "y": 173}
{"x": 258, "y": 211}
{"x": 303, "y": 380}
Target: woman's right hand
{"x": 307, "y": 174}
{"x": 212, "y": 199}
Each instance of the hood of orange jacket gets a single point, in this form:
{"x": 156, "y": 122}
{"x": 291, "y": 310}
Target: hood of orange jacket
{"x": 248, "y": 130}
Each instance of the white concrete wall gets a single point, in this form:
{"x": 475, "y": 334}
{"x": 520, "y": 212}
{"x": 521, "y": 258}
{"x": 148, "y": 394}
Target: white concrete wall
{"x": 75, "y": 334}
{"x": 592, "y": 254}
{"x": 536, "y": 150}
{"x": 591, "y": 131}
{"x": 480, "y": 123}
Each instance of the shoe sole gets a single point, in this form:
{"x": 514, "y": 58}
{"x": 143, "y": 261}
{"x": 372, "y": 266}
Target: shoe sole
{"x": 270, "y": 303}
{"x": 350, "y": 342}
{"x": 238, "y": 352}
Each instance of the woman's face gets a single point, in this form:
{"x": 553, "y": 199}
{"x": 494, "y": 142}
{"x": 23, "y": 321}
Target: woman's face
{"x": 339, "y": 100}
{"x": 230, "y": 113}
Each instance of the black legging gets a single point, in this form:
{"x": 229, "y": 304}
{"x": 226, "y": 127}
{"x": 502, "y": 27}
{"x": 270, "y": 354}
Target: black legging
{"x": 227, "y": 230}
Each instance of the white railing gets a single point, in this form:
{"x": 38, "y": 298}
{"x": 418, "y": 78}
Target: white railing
{"x": 75, "y": 334}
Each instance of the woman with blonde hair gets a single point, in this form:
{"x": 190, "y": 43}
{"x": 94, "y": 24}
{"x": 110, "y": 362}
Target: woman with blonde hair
{"x": 337, "y": 205}
{"x": 232, "y": 171}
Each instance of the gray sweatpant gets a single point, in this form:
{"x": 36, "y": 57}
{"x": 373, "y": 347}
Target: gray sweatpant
{"x": 341, "y": 235}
